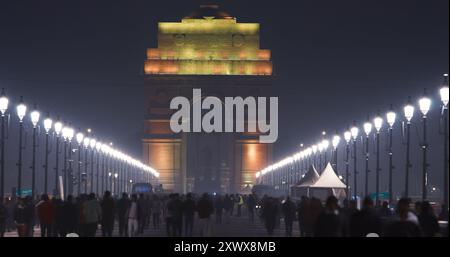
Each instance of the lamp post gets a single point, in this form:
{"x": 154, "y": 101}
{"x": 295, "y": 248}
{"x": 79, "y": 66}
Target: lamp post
{"x": 409, "y": 113}
{"x": 70, "y": 177}
{"x": 21, "y": 111}
{"x": 335, "y": 143}
{"x": 116, "y": 175}
{"x": 58, "y": 128}
{"x": 65, "y": 134}
{"x": 355, "y": 131}
{"x": 444, "y": 99}
{"x": 98, "y": 147}
{"x": 3, "y": 107}
{"x": 104, "y": 153}
{"x": 92, "y": 145}
{"x": 314, "y": 151}
{"x": 378, "y": 124}
{"x": 79, "y": 138}
{"x": 367, "y": 130}
{"x": 110, "y": 181}
{"x": 325, "y": 145}
{"x": 86, "y": 142}
{"x": 34, "y": 120}
{"x": 424, "y": 106}
{"x": 320, "y": 149}
{"x": 131, "y": 186}
{"x": 390, "y": 117}
{"x": 47, "y": 126}
{"x": 347, "y": 138}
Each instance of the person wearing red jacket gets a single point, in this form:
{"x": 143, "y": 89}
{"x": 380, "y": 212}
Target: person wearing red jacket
{"x": 46, "y": 214}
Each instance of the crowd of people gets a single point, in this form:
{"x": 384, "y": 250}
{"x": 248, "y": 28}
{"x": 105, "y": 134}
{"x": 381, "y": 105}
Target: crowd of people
{"x": 193, "y": 215}
{"x": 333, "y": 220}
{"x": 133, "y": 214}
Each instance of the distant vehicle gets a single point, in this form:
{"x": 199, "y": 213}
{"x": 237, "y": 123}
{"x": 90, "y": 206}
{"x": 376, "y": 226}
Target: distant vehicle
{"x": 142, "y": 188}
{"x": 261, "y": 190}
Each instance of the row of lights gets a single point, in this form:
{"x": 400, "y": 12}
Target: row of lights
{"x": 424, "y": 104}
{"x": 61, "y": 130}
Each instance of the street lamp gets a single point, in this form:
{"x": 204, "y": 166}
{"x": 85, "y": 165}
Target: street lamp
{"x": 320, "y": 149}
{"x": 444, "y": 117}
{"x": 92, "y": 145}
{"x": 70, "y": 175}
{"x": 409, "y": 113}
{"x": 424, "y": 106}
{"x": 367, "y": 129}
{"x": 58, "y": 129}
{"x": 314, "y": 151}
{"x": 325, "y": 145}
{"x": 335, "y": 143}
{"x": 390, "y": 117}
{"x": 86, "y": 141}
{"x": 378, "y": 124}
{"x": 116, "y": 175}
{"x": 65, "y": 134}
{"x": 347, "y": 138}
{"x": 47, "y": 126}
{"x": 110, "y": 181}
{"x": 34, "y": 115}
{"x": 79, "y": 137}
{"x": 98, "y": 147}
{"x": 21, "y": 111}
{"x": 3, "y": 107}
{"x": 355, "y": 131}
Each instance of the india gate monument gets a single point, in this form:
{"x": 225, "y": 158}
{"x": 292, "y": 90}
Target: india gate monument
{"x": 208, "y": 50}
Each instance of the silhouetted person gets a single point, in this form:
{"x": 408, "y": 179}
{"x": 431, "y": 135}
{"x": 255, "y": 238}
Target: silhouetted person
{"x": 133, "y": 216}
{"x": 251, "y": 204}
{"x": 218, "y": 206}
{"x": 189, "y": 214}
{"x": 122, "y": 208}
{"x": 143, "y": 213}
{"x": 312, "y": 214}
{"x": 22, "y": 218}
{"x": 156, "y": 211}
{"x": 204, "y": 209}
{"x": 239, "y": 203}
{"x": 228, "y": 205}
{"x": 92, "y": 214}
{"x": 59, "y": 227}
{"x": 365, "y": 221}
{"x": 405, "y": 224}
{"x": 108, "y": 211}
{"x": 331, "y": 222}
{"x": 3, "y": 218}
{"x": 302, "y": 210}
{"x": 427, "y": 220}
{"x": 46, "y": 215}
{"x": 70, "y": 210}
{"x": 288, "y": 209}
{"x": 269, "y": 214}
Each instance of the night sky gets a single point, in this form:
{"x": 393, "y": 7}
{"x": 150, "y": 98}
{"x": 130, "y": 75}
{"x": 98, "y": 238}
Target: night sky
{"x": 334, "y": 61}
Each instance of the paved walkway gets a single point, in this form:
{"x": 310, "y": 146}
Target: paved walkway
{"x": 235, "y": 226}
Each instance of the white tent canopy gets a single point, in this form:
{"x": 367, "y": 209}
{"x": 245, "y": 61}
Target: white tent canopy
{"x": 310, "y": 177}
{"x": 313, "y": 185}
{"x": 328, "y": 179}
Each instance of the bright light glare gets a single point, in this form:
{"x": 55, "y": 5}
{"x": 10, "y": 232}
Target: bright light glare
{"x": 424, "y": 105}
{"x": 48, "y": 124}
{"x": 347, "y": 136}
{"x": 390, "y": 117}
{"x": 21, "y": 111}
{"x": 378, "y": 123}
{"x": 409, "y": 112}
